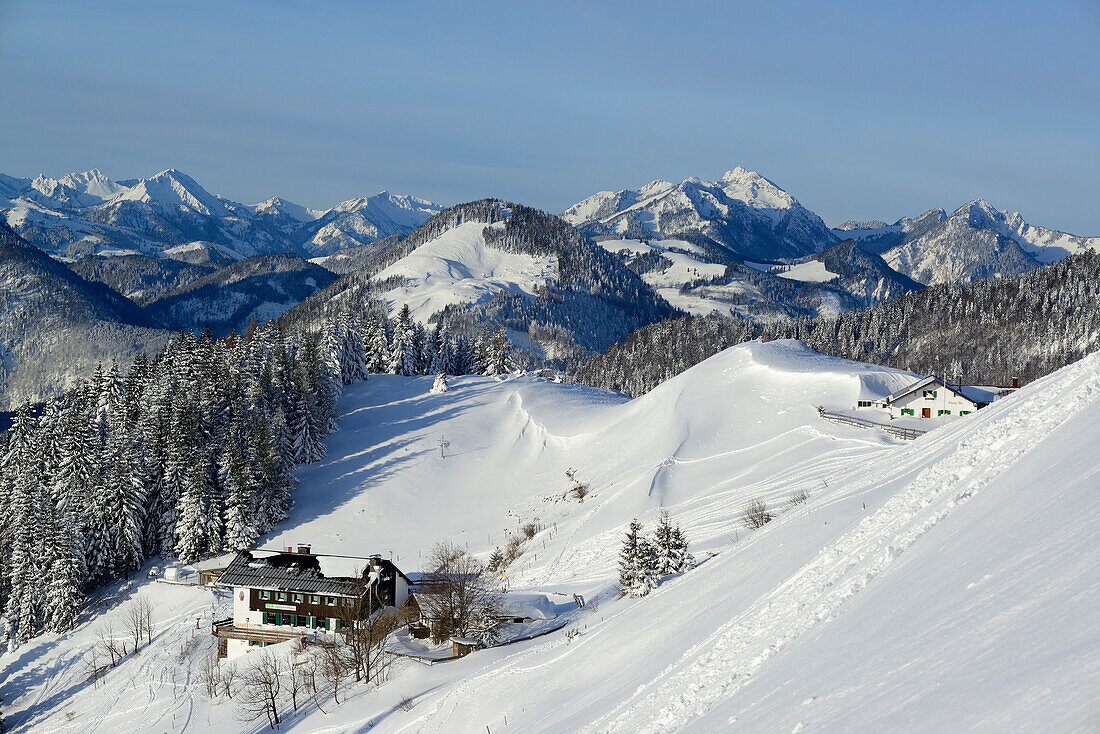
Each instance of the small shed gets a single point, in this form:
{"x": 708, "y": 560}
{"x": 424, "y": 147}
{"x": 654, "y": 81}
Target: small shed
{"x": 211, "y": 569}
{"x": 180, "y": 574}
{"x": 463, "y": 646}
{"x": 521, "y": 607}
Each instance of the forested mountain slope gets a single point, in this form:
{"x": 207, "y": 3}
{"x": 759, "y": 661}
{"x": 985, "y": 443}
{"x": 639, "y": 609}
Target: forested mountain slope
{"x": 55, "y": 326}
{"x": 497, "y": 263}
{"x": 986, "y": 332}
{"x": 260, "y": 288}
{"x": 140, "y": 278}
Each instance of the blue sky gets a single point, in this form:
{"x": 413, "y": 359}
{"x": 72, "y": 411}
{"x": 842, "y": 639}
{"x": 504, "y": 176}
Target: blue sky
{"x": 860, "y": 110}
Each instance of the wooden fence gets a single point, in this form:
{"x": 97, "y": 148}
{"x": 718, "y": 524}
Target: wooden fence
{"x": 849, "y": 420}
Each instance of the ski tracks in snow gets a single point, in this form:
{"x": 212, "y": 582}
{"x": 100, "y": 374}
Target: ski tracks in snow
{"x": 712, "y": 671}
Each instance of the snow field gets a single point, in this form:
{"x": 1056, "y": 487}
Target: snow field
{"x": 457, "y": 267}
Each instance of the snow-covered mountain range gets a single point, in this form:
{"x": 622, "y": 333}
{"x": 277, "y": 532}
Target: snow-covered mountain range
{"x": 977, "y": 240}
{"x": 742, "y": 212}
{"x": 87, "y": 213}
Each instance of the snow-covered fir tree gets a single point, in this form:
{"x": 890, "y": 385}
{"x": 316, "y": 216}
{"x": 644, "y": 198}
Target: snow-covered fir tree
{"x": 637, "y": 562}
{"x": 499, "y": 360}
{"x": 670, "y": 548}
{"x": 404, "y": 351}
{"x": 440, "y": 385}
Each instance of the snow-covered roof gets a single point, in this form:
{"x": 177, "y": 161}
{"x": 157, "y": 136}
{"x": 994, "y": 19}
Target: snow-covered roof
{"x": 985, "y": 393}
{"x": 469, "y": 641}
{"x": 531, "y": 606}
{"x": 211, "y": 564}
{"x": 977, "y": 394}
{"x": 913, "y": 387}
{"x": 305, "y": 572}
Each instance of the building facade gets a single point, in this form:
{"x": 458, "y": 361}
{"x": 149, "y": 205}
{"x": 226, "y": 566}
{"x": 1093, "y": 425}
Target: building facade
{"x": 930, "y": 398}
{"x": 281, "y": 595}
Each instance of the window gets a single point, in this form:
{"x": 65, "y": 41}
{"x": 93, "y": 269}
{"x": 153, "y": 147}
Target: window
{"x": 330, "y": 601}
{"x": 269, "y": 618}
{"x": 278, "y": 618}
{"x": 907, "y": 411}
{"x": 256, "y": 643}
{"x": 298, "y": 599}
{"x": 964, "y": 412}
{"x": 266, "y": 595}
{"x": 863, "y": 403}
{"x": 280, "y": 596}
{"x": 944, "y": 412}
{"x": 929, "y": 393}
{"x": 315, "y": 599}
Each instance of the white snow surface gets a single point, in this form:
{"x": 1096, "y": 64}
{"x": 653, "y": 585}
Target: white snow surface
{"x": 811, "y": 271}
{"x": 458, "y": 267}
{"x": 682, "y": 269}
{"x": 942, "y": 584}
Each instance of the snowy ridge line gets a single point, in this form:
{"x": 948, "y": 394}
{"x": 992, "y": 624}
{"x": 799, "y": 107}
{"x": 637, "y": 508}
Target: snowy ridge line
{"x": 820, "y": 590}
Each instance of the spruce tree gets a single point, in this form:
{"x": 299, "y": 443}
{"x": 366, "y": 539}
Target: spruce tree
{"x": 671, "y": 548}
{"x": 404, "y": 356}
{"x": 500, "y": 359}
{"x": 636, "y": 562}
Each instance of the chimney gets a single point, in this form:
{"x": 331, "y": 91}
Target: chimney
{"x": 303, "y": 550}
{"x": 1015, "y": 382}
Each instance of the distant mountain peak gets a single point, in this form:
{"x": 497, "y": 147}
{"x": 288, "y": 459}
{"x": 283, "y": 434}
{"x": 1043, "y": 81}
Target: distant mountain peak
{"x": 755, "y": 190}
{"x": 742, "y": 211}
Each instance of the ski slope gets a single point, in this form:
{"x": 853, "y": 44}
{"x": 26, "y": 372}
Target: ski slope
{"x": 943, "y": 584}
{"x": 458, "y": 267}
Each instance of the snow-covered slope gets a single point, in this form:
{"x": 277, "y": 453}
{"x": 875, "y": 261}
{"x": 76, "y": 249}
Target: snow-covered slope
{"x": 459, "y": 267}
{"x": 942, "y": 584}
{"x": 670, "y": 268}
{"x": 976, "y": 241}
{"x": 837, "y": 278}
{"x": 742, "y": 211}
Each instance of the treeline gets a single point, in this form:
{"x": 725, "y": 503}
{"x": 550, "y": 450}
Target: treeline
{"x": 985, "y": 332}
{"x": 189, "y": 454}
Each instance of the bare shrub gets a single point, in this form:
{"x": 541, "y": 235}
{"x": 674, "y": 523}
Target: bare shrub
{"x": 756, "y": 515}
{"x": 579, "y": 488}
{"x": 229, "y": 679}
{"x": 135, "y": 623}
{"x": 334, "y": 668}
{"x": 458, "y": 594}
{"x": 531, "y": 529}
{"x": 105, "y": 638}
{"x": 211, "y": 676}
{"x": 797, "y": 498}
{"x": 405, "y": 704}
{"x": 261, "y": 691}
{"x": 93, "y": 666}
{"x": 513, "y": 549}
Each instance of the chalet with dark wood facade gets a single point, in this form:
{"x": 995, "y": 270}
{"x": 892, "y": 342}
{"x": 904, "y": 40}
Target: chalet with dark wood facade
{"x": 281, "y": 595}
